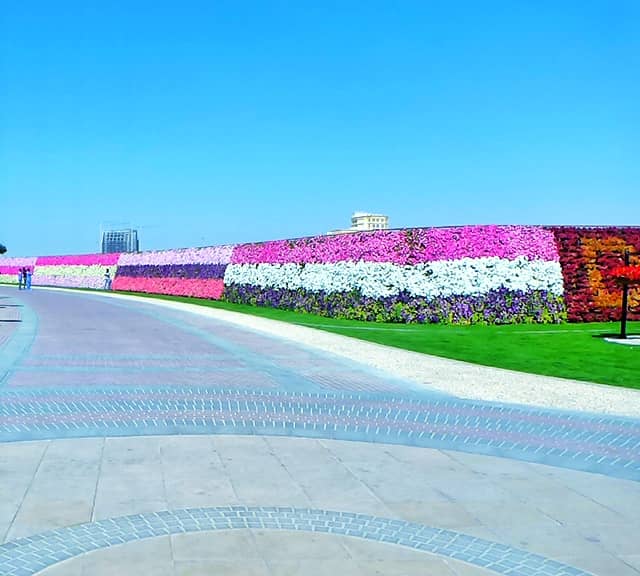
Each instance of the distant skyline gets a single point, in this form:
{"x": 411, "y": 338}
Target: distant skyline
{"x": 202, "y": 123}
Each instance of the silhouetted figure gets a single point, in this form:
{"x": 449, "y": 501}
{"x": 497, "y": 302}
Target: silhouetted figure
{"x": 20, "y": 278}
{"x": 28, "y": 278}
{"x": 107, "y": 280}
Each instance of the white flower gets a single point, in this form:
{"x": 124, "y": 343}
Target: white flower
{"x": 466, "y": 276}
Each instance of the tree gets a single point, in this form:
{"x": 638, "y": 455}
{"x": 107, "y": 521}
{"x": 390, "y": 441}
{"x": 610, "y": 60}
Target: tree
{"x": 3, "y": 248}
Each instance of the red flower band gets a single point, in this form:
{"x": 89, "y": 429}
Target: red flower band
{"x": 626, "y": 273}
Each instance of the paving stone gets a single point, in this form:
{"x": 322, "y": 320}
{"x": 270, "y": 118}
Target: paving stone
{"x": 30, "y": 555}
{"x": 131, "y": 478}
{"x": 151, "y": 556}
{"x": 256, "y": 474}
{"x": 18, "y": 465}
{"x": 207, "y": 546}
{"x": 278, "y": 547}
{"x": 61, "y": 491}
{"x": 236, "y": 567}
{"x": 632, "y": 560}
{"x": 200, "y": 479}
{"x": 273, "y": 418}
{"x": 600, "y": 564}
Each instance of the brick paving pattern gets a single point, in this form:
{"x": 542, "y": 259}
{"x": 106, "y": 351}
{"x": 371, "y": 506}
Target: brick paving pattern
{"x": 81, "y": 367}
{"x": 28, "y": 556}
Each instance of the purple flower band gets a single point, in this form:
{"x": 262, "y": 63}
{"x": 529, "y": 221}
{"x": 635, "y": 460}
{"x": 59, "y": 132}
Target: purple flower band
{"x": 200, "y": 271}
{"x": 501, "y": 306}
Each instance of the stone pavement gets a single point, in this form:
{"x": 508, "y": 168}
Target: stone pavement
{"x": 136, "y": 439}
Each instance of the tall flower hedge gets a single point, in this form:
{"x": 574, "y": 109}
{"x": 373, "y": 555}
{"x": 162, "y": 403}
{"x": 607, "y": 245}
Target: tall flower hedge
{"x": 470, "y": 274}
{"x": 75, "y": 271}
{"x": 197, "y": 272}
{"x": 405, "y": 247}
{"x": 9, "y": 268}
{"x": 489, "y": 274}
{"x": 587, "y": 256}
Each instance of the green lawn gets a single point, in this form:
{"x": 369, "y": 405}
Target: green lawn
{"x": 575, "y": 351}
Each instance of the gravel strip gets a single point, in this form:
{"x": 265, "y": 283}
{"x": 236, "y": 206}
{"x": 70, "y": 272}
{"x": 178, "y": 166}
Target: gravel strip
{"x": 461, "y": 379}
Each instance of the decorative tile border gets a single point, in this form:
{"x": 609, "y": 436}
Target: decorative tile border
{"x": 28, "y": 556}
{"x": 602, "y": 444}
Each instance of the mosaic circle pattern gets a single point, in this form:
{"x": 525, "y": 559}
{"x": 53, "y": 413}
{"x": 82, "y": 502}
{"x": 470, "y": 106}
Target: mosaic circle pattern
{"x": 28, "y": 556}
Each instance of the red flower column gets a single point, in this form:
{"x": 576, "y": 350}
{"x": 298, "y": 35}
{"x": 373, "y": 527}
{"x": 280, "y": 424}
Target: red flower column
{"x": 625, "y": 275}
{"x": 587, "y": 256}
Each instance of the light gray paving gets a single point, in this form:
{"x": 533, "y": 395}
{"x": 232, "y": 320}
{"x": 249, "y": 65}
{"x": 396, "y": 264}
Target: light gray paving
{"x": 62, "y": 489}
{"x": 19, "y": 464}
{"x": 435, "y": 488}
{"x": 246, "y": 552}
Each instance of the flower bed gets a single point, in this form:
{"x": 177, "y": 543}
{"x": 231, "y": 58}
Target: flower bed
{"x": 196, "y": 272}
{"x": 75, "y": 271}
{"x": 63, "y": 279}
{"x": 467, "y": 276}
{"x": 195, "y": 287}
{"x": 206, "y": 255}
{"x": 497, "y": 306}
{"x": 9, "y": 268}
{"x": 173, "y": 271}
{"x": 587, "y": 255}
{"x": 106, "y": 260}
{"x": 491, "y": 274}
{"x": 409, "y": 246}
{"x": 626, "y": 274}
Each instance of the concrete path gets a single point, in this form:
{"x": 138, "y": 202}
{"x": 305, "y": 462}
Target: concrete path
{"x": 139, "y": 439}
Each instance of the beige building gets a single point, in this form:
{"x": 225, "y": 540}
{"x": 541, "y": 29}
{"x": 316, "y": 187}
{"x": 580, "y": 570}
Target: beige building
{"x": 365, "y": 221}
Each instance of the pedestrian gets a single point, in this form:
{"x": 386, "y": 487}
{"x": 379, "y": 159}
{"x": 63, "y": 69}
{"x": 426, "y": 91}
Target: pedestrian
{"x": 28, "y": 278}
{"x": 24, "y": 278}
{"x": 20, "y": 279}
{"x": 107, "y": 280}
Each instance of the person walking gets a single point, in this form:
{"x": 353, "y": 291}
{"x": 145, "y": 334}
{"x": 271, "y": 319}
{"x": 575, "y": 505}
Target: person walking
{"x": 107, "y": 280}
{"x": 20, "y": 278}
{"x": 28, "y": 278}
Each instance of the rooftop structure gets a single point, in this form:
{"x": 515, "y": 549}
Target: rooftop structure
{"x": 363, "y": 222}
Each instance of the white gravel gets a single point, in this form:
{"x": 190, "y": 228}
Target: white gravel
{"x": 461, "y": 379}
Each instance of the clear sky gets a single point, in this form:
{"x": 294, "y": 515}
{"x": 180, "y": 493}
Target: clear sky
{"x": 228, "y": 121}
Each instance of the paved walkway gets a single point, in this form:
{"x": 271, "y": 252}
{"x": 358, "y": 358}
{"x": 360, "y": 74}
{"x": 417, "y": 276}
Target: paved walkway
{"x": 139, "y": 439}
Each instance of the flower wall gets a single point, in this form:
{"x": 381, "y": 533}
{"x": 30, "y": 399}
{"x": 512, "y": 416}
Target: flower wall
{"x": 9, "y": 268}
{"x": 587, "y": 257}
{"x": 76, "y": 271}
{"x": 195, "y": 272}
{"x": 489, "y": 274}
{"x": 472, "y": 274}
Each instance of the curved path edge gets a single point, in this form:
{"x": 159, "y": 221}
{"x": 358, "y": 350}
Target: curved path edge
{"x": 611, "y": 452}
{"x": 28, "y": 556}
{"x": 461, "y": 379}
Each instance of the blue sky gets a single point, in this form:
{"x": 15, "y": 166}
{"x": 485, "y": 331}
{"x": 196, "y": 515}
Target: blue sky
{"x": 228, "y": 121}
